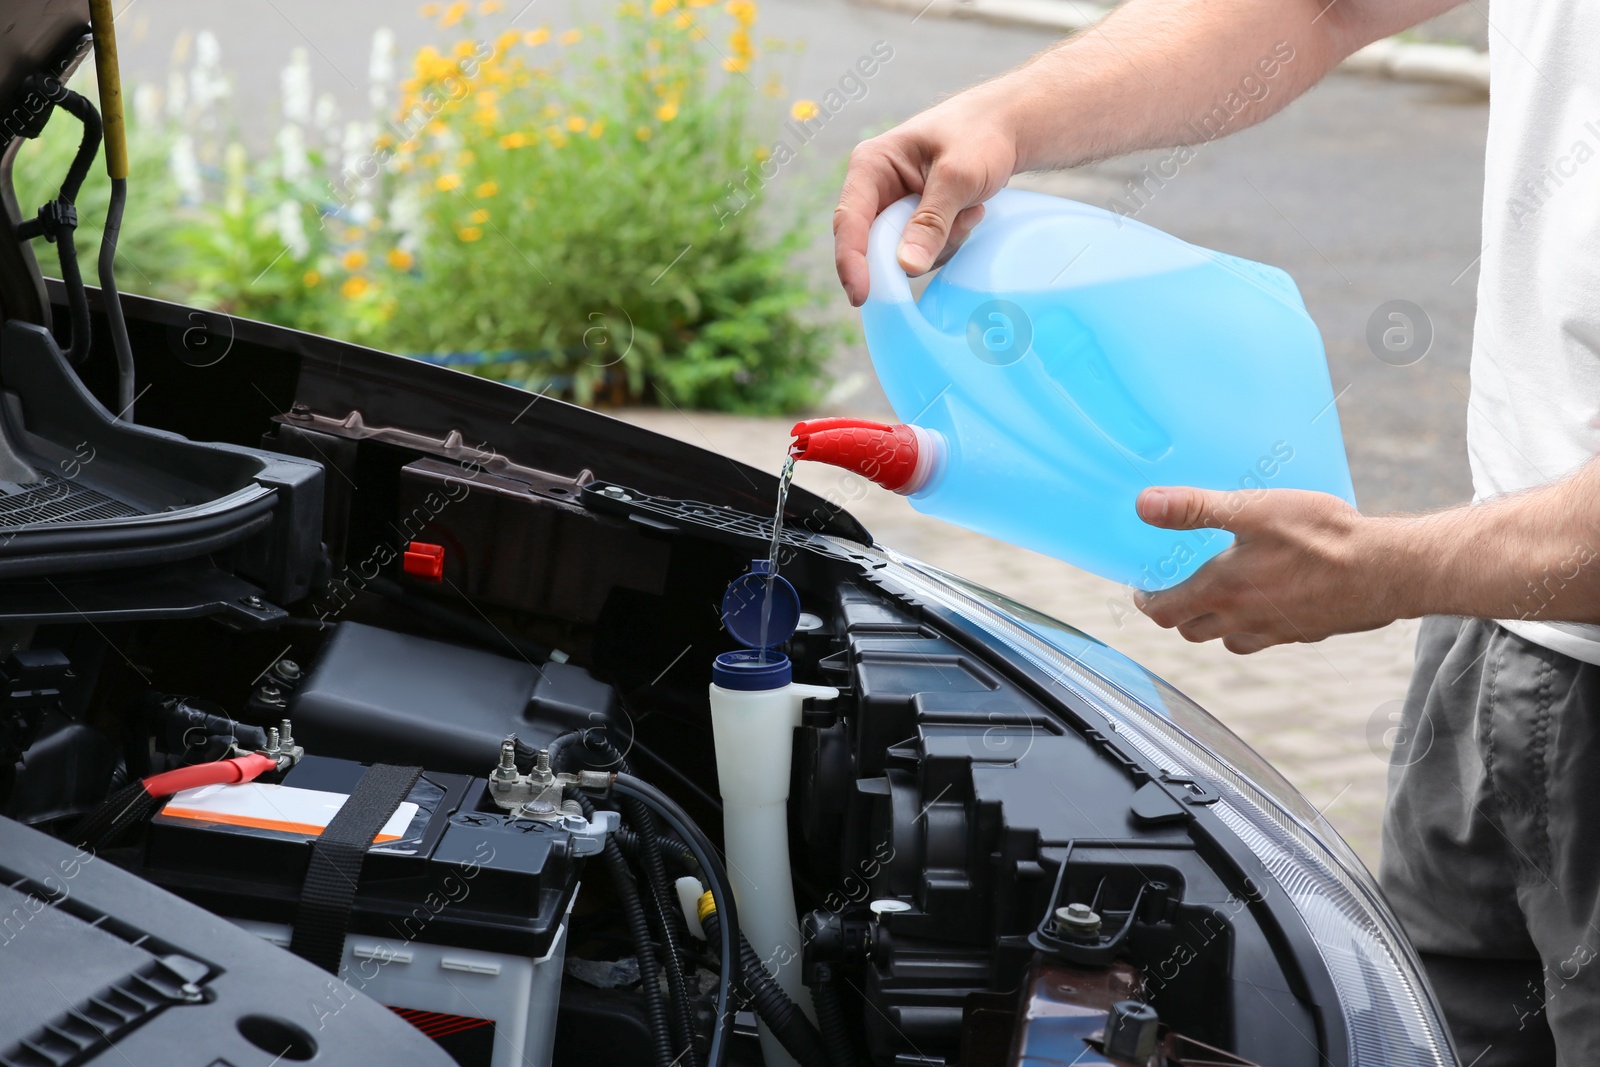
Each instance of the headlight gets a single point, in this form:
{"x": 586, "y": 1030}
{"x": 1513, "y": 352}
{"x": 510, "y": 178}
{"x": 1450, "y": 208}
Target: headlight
{"x": 1390, "y": 1015}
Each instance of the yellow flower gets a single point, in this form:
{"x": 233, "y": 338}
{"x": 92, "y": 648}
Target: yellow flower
{"x": 400, "y": 259}
{"x": 487, "y": 189}
{"x": 736, "y": 64}
{"x": 429, "y": 11}
{"x": 489, "y": 7}
{"x": 577, "y": 123}
{"x": 311, "y": 278}
{"x": 515, "y": 140}
{"x": 642, "y": 132}
{"x": 572, "y": 37}
{"x": 354, "y": 287}
{"x": 661, "y": 7}
{"x": 773, "y": 88}
{"x": 550, "y": 111}
{"x": 668, "y": 111}
{"x": 448, "y": 182}
{"x": 469, "y": 233}
{"x": 352, "y": 233}
{"x": 596, "y": 128}
{"x": 353, "y": 260}
{"x": 683, "y": 20}
{"x": 556, "y": 135}
{"x": 453, "y": 14}
{"x": 743, "y": 11}
{"x": 630, "y": 10}
{"x": 478, "y": 217}
{"x": 535, "y": 38}
{"x": 506, "y": 39}
{"x": 762, "y": 154}
{"x": 701, "y": 3}
{"x": 801, "y": 110}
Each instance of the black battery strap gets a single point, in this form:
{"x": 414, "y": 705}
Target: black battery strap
{"x": 335, "y": 868}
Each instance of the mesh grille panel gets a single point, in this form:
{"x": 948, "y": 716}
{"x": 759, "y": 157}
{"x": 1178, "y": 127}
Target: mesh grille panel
{"x": 57, "y": 500}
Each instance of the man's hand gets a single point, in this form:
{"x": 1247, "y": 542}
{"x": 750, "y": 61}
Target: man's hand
{"x": 1303, "y": 566}
{"x": 955, "y": 155}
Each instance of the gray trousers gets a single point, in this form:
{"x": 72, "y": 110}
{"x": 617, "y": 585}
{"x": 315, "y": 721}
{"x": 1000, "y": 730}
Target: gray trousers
{"x": 1491, "y": 841}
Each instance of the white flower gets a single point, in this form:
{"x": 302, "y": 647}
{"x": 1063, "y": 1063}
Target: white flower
{"x": 207, "y": 84}
{"x": 292, "y": 153}
{"x": 291, "y": 231}
{"x": 406, "y": 216}
{"x": 177, "y": 95}
{"x": 380, "y": 69}
{"x": 296, "y": 81}
{"x": 356, "y": 167}
{"x": 326, "y": 119}
{"x": 185, "y": 168}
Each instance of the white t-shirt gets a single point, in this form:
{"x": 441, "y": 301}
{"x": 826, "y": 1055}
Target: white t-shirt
{"x": 1535, "y": 409}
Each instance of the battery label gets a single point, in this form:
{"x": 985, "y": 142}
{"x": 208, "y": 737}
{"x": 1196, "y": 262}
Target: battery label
{"x": 282, "y": 808}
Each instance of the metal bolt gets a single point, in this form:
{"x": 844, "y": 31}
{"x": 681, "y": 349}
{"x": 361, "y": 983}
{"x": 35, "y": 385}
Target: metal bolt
{"x": 539, "y": 808}
{"x": 614, "y": 490}
{"x": 287, "y": 669}
{"x": 286, "y": 734}
{"x": 253, "y": 601}
{"x": 300, "y": 411}
{"x": 507, "y": 771}
{"x": 1078, "y": 921}
{"x": 274, "y": 745}
{"x": 269, "y": 693}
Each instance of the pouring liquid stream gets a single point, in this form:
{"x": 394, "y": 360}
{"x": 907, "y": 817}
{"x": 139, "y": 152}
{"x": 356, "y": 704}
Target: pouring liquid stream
{"x": 784, "y": 480}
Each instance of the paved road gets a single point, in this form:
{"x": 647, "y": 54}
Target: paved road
{"x": 1365, "y": 191}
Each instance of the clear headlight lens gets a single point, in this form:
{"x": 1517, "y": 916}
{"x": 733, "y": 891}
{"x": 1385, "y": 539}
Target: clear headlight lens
{"x": 1389, "y": 1012}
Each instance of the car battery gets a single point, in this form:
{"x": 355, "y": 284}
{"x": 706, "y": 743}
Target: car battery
{"x": 459, "y": 915}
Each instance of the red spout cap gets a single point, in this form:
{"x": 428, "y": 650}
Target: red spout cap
{"x": 901, "y": 458}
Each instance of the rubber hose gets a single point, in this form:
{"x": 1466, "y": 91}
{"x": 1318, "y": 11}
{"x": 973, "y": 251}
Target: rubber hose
{"x": 118, "y": 326}
{"x": 644, "y": 949}
{"x": 670, "y": 925}
{"x": 772, "y": 1005}
{"x": 830, "y": 1018}
{"x": 672, "y": 849}
{"x": 66, "y": 249}
{"x": 77, "y": 297}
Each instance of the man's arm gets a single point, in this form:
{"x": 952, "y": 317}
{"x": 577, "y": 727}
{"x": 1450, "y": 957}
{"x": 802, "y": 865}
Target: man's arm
{"x": 1145, "y": 77}
{"x": 1306, "y": 565}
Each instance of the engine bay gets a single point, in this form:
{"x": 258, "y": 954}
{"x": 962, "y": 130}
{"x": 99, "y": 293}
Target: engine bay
{"x": 979, "y": 878}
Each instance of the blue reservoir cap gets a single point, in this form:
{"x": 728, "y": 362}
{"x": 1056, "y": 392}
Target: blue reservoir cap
{"x": 760, "y": 609}
{"x": 751, "y": 670}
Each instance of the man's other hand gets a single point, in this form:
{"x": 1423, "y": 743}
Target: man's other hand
{"x": 1303, "y": 566}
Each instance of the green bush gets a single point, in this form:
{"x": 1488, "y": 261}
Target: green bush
{"x": 574, "y": 215}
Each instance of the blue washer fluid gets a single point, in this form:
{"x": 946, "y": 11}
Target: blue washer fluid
{"x": 1065, "y": 359}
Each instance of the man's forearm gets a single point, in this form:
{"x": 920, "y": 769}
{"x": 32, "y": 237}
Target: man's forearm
{"x": 1157, "y": 73}
{"x": 1528, "y": 555}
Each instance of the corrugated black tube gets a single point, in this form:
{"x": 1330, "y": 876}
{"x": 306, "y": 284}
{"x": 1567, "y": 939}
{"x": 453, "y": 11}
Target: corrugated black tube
{"x": 830, "y": 1018}
{"x": 772, "y": 1005}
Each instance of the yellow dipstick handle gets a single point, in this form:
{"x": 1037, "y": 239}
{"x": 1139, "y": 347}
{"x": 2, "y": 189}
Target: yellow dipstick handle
{"x": 110, "y": 79}
{"x": 706, "y": 906}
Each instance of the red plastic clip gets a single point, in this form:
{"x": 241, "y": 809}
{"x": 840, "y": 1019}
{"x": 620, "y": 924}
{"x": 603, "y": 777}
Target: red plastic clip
{"x": 424, "y": 561}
